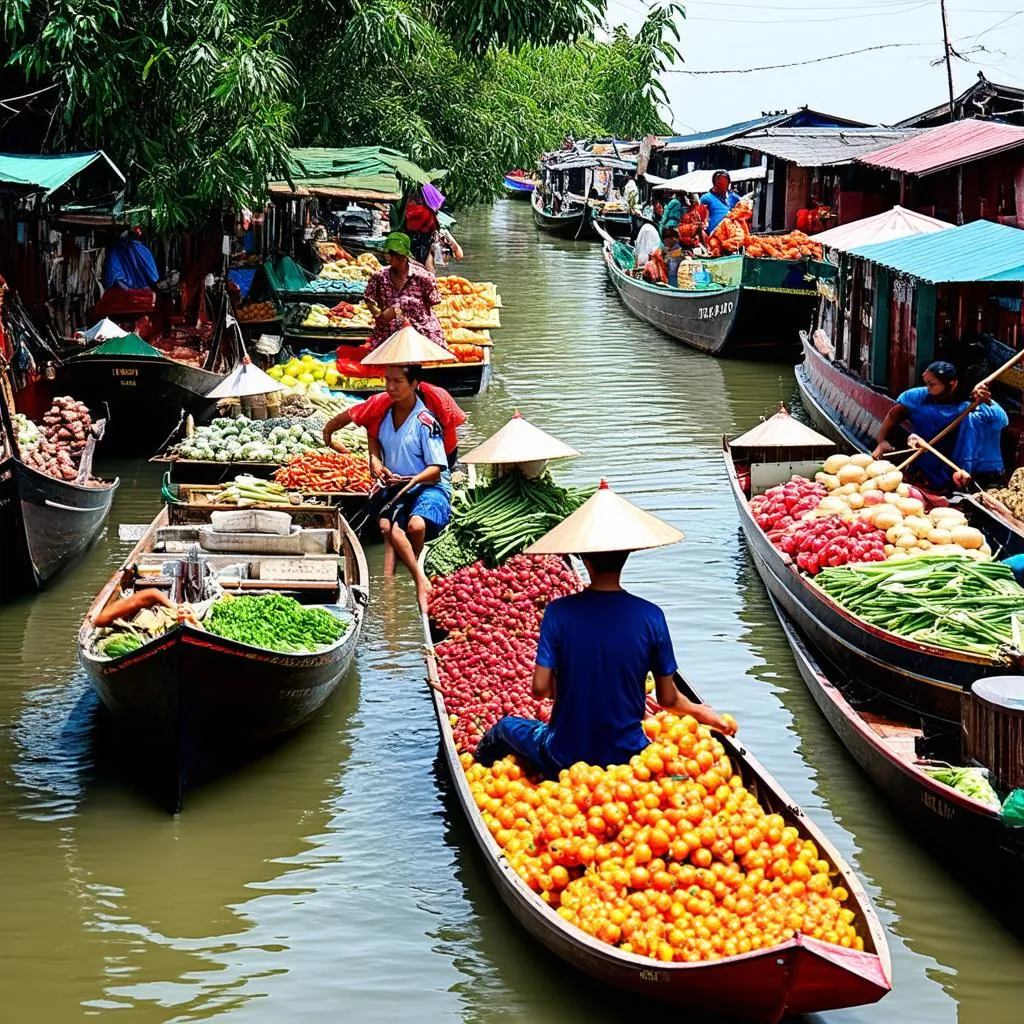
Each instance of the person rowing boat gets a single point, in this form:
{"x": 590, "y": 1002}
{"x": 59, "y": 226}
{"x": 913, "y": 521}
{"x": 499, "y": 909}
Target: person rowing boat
{"x": 596, "y": 649}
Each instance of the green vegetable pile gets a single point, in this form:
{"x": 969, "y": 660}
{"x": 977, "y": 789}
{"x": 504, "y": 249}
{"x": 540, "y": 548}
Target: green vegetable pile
{"x": 245, "y": 440}
{"x": 274, "y": 622}
{"x": 971, "y": 782}
{"x": 247, "y": 490}
{"x": 119, "y": 643}
{"x": 501, "y": 520}
{"x": 947, "y": 601}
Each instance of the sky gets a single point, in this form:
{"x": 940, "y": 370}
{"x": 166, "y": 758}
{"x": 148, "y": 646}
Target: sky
{"x": 883, "y": 86}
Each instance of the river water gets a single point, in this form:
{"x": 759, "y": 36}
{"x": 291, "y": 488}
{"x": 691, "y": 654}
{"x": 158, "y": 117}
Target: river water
{"x": 333, "y": 880}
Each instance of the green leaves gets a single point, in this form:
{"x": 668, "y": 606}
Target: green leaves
{"x": 201, "y": 99}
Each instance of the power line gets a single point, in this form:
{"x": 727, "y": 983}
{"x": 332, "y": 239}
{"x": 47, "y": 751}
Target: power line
{"x": 796, "y": 63}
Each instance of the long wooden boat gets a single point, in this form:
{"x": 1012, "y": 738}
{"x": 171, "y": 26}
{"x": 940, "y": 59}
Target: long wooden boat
{"x": 573, "y": 222}
{"x": 519, "y": 188}
{"x": 192, "y": 702}
{"x": 850, "y": 411}
{"x": 802, "y": 975}
{"x": 617, "y": 223}
{"x": 959, "y": 830}
{"x": 701, "y": 319}
{"x": 45, "y": 523}
{"x": 148, "y": 396}
{"x": 925, "y": 680}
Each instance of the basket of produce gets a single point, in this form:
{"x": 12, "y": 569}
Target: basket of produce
{"x": 257, "y": 313}
{"x": 56, "y": 446}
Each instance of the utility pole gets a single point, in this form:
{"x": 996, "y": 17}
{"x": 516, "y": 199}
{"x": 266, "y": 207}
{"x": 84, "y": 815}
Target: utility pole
{"x": 949, "y": 63}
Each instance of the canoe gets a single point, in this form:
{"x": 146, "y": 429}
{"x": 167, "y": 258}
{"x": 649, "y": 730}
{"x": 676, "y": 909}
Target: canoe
{"x": 191, "y": 703}
{"x": 850, "y": 411}
{"x": 920, "y": 678}
{"x": 571, "y": 223}
{"x": 960, "y": 831}
{"x": 45, "y": 523}
{"x": 802, "y": 975}
{"x": 618, "y": 224}
{"x": 519, "y": 188}
{"x": 701, "y": 319}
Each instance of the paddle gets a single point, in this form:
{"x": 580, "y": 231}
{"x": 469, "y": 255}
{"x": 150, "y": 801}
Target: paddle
{"x": 923, "y": 445}
{"x": 974, "y": 405}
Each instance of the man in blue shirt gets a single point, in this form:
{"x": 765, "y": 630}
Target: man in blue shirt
{"x": 720, "y": 200}
{"x": 974, "y": 445}
{"x": 594, "y": 653}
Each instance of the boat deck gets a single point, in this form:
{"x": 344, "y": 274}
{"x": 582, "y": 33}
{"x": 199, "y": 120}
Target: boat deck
{"x": 897, "y": 736}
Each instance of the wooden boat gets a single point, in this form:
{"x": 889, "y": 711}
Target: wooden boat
{"x": 850, "y": 411}
{"x": 802, "y": 975}
{"x": 617, "y": 223}
{"x": 779, "y": 299}
{"x": 517, "y": 187}
{"x": 45, "y": 523}
{"x": 193, "y": 702}
{"x": 920, "y": 678}
{"x": 961, "y": 831}
{"x": 701, "y": 319}
{"x": 572, "y": 222}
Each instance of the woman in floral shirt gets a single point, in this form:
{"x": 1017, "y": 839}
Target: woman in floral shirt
{"x": 403, "y": 290}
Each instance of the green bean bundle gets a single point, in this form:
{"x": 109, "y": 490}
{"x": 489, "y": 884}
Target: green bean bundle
{"x": 946, "y": 601}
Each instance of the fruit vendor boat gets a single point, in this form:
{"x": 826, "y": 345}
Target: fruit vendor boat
{"x": 518, "y": 186}
{"x": 192, "y": 702}
{"x": 894, "y": 753}
{"x": 850, "y": 411}
{"x": 572, "y": 222}
{"x": 45, "y": 523}
{"x": 699, "y": 317}
{"x": 920, "y": 678}
{"x": 801, "y": 975}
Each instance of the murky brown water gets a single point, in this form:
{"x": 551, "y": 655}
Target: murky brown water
{"x": 332, "y": 880}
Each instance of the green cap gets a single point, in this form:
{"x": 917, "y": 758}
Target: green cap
{"x": 398, "y": 242}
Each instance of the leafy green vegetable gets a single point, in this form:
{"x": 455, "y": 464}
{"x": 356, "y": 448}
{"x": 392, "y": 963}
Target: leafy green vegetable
{"x": 274, "y": 622}
{"x": 972, "y": 782}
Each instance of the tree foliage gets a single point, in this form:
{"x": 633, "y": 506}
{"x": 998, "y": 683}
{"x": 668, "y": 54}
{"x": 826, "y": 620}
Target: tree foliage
{"x": 200, "y": 99}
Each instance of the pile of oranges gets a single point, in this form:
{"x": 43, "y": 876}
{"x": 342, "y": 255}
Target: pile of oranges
{"x": 669, "y": 857}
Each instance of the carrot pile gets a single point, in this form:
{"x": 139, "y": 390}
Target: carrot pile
{"x": 793, "y": 245}
{"x": 326, "y": 472}
{"x": 733, "y": 231}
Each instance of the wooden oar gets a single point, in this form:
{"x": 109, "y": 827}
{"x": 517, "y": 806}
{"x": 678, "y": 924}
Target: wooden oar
{"x": 953, "y": 424}
{"x": 926, "y": 446}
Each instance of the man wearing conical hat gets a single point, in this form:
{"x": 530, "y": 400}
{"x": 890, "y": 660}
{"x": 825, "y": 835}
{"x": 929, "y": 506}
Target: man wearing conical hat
{"x": 595, "y": 651}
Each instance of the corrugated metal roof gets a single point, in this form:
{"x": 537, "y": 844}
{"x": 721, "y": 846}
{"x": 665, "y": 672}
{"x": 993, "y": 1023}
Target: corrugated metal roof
{"x": 883, "y": 227}
{"x": 716, "y": 136}
{"x": 981, "y": 251}
{"x": 818, "y": 147}
{"x": 948, "y": 145}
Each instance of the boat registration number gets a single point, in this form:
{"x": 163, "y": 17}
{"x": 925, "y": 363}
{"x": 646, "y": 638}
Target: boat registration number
{"x": 119, "y": 371}
{"x": 939, "y": 807}
{"x": 717, "y": 310}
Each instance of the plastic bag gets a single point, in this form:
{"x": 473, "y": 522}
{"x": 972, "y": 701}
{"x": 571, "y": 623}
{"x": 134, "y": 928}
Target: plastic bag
{"x": 1013, "y": 809}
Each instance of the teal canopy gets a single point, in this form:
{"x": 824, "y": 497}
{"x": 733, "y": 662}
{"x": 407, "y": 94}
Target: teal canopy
{"x": 49, "y": 172}
{"x": 363, "y": 171}
{"x": 981, "y": 251}
{"x": 128, "y": 345}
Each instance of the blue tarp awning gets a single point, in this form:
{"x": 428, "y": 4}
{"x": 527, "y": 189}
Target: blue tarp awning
{"x": 981, "y": 251}
{"x": 49, "y": 172}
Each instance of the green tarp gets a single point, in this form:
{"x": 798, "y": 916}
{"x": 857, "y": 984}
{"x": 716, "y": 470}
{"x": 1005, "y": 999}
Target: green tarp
{"x": 49, "y": 172}
{"x": 785, "y": 275}
{"x": 355, "y": 168}
{"x": 129, "y": 345}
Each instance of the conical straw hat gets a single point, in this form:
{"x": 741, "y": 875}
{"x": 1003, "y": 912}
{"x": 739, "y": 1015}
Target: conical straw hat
{"x": 407, "y": 347}
{"x": 519, "y": 441}
{"x": 606, "y": 523}
{"x": 781, "y": 431}
{"x": 245, "y": 379}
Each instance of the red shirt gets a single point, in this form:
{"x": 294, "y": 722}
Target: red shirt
{"x": 369, "y": 414}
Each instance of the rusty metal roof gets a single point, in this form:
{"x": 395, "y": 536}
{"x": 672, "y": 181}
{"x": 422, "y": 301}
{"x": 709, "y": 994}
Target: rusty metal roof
{"x": 948, "y": 145}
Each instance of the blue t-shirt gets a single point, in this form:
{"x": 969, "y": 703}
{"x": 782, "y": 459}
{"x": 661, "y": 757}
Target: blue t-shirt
{"x": 974, "y": 445}
{"x": 601, "y": 645}
{"x": 416, "y": 444}
{"x": 718, "y": 207}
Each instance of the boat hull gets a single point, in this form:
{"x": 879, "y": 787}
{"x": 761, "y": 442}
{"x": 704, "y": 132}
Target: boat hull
{"x": 616, "y": 225}
{"x": 147, "y": 397}
{"x": 956, "y": 829}
{"x": 921, "y": 680}
{"x": 702, "y": 320}
{"x": 46, "y": 524}
{"x": 803, "y": 975}
{"x": 574, "y": 224}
